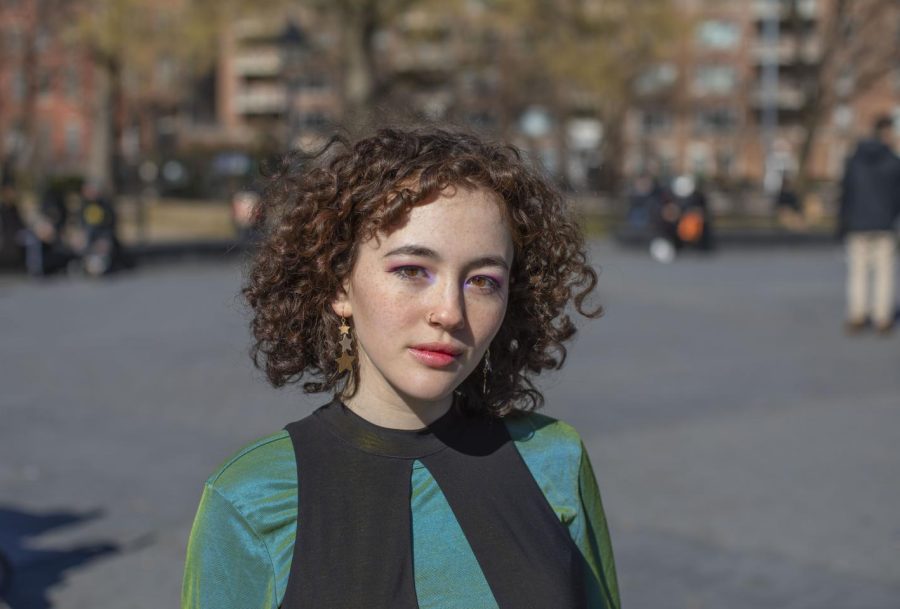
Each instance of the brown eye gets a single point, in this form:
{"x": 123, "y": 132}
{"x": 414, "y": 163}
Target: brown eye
{"x": 484, "y": 283}
{"x": 410, "y": 272}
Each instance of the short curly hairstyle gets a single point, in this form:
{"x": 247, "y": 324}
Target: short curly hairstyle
{"x": 316, "y": 209}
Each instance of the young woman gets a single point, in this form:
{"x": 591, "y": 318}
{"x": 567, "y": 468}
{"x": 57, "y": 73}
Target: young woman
{"x": 421, "y": 277}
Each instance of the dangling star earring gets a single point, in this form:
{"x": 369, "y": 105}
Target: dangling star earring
{"x": 345, "y": 360}
{"x": 486, "y": 370}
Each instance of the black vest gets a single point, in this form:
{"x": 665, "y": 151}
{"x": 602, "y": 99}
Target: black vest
{"x": 353, "y": 548}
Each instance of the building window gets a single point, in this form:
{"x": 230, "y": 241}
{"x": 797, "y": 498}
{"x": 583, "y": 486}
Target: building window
{"x": 843, "y": 117}
{"x": 166, "y": 71}
{"x": 12, "y": 38}
{"x": 654, "y": 122}
{"x": 478, "y": 83}
{"x": 44, "y": 80}
{"x": 315, "y": 121}
{"x": 718, "y": 80}
{"x": 698, "y": 159}
{"x": 808, "y": 8}
{"x": 313, "y": 81}
{"x": 42, "y": 40}
{"x": 17, "y": 85}
{"x": 73, "y": 82}
{"x": 73, "y": 139}
{"x": 718, "y": 34}
{"x": 715, "y": 120}
{"x": 725, "y": 163}
{"x": 44, "y": 138}
{"x": 656, "y": 79}
{"x": 481, "y": 120}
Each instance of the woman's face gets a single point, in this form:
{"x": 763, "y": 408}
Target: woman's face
{"x": 426, "y": 299}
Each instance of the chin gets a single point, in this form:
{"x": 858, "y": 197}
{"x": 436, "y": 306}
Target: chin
{"x": 431, "y": 386}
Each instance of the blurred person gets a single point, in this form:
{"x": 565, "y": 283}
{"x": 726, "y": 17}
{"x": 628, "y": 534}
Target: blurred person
{"x": 788, "y": 209}
{"x": 651, "y": 212}
{"x": 683, "y": 221}
{"x": 869, "y": 206}
{"x": 53, "y": 209}
{"x": 101, "y": 251}
{"x": 12, "y": 228}
{"x": 644, "y": 200}
{"x": 694, "y": 228}
{"x": 244, "y": 214}
{"x": 422, "y": 277}
{"x": 47, "y": 250}
{"x": 665, "y": 242}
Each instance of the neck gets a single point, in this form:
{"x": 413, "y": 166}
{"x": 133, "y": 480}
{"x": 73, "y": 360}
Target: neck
{"x": 382, "y": 405}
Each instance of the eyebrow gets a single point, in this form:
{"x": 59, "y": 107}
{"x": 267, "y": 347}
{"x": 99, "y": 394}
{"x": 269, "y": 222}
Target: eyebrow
{"x": 426, "y": 252}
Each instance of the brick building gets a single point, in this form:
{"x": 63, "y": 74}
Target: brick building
{"x": 58, "y": 87}
{"x": 277, "y": 77}
{"x": 701, "y": 110}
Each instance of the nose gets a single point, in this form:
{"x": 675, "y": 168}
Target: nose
{"x": 448, "y": 310}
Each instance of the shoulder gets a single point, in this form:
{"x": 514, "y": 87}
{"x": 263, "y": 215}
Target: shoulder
{"x": 535, "y": 429}
{"x": 542, "y": 439}
{"x": 553, "y": 452}
{"x": 247, "y": 522}
{"x": 263, "y": 467}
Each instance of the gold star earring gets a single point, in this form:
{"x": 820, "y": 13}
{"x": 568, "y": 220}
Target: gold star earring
{"x": 345, "y": 360}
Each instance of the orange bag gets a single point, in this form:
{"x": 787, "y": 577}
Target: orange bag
{"x": 690, "y": 226}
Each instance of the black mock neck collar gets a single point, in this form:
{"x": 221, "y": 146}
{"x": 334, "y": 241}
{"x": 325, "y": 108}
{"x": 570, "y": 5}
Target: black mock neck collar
{"x": 386, "y": 442}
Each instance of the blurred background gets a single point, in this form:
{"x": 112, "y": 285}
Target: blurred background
{"x": 746, "y": 446}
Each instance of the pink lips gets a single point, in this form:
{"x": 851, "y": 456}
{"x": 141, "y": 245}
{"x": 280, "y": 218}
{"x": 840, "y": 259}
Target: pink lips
{"x": 435, "y": 355}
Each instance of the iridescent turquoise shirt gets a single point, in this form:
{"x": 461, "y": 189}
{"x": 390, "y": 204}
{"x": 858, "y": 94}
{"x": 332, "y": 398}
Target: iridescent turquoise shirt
{"x": 242, "y": 542}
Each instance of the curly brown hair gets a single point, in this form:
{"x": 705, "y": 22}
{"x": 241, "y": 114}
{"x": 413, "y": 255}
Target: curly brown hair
{"x": 318, "y": 208}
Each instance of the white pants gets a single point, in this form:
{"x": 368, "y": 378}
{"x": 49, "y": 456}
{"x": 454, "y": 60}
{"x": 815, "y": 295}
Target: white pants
{"x": 871, "y": 253}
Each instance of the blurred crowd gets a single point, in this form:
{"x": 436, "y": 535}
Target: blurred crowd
{"x": 73, "y": 230}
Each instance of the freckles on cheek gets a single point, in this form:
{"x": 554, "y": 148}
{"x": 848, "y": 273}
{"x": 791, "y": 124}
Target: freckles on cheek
{"x": 376, "y": 300}
{"x": 487, "y": 319}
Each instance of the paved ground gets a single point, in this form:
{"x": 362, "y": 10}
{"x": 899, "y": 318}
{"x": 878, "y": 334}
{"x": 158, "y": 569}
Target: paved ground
{"x": 747, "y": 451}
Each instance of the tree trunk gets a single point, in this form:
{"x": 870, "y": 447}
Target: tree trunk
{"x": 812, "y": 121}
{"x": 29, "y": 161}
{"x": 359, "y": 62}
{"x": 612, "y": 150}
{"x": 99, "y": 165}
{"x": 560, "y": 115}
{"x": 816, "y": 105}
{"x": 117, "y": 120}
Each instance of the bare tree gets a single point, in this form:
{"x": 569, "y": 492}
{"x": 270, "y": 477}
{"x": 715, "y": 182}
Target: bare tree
{"x": 40, "y": 22}
{"x": 859, "y": 48}
{"x": 359, "y": 22}
{"x": 587, "y": 55}
{"x": 128, "y": 41}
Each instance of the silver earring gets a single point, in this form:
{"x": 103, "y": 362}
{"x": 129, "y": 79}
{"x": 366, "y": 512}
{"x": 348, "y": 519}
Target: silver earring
{"x": 486, "y": 370}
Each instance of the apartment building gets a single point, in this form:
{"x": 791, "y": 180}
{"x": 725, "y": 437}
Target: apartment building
{"x": 701, "y": 110}
{"x": 278, "y": 77}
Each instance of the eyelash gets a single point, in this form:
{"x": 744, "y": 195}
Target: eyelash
{"x": 403, "y": 273}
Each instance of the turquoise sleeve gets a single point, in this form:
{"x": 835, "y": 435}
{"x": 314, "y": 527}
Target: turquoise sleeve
{"x": 594, "y": 540}
{"x": 227, "y": 563}
{"x": 559, "y": 462}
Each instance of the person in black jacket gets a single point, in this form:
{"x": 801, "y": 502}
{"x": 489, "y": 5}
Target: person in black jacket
{"x": 12, "y": 229}
{"x": 869, "y": 206}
